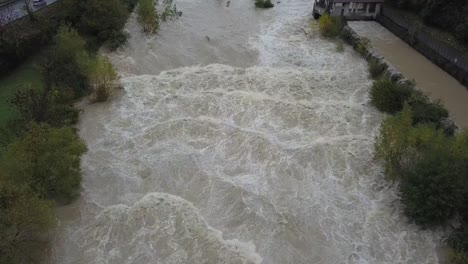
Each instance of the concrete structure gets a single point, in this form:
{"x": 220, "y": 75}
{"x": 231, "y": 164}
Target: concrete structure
{"x": 350, "y": 9}
{"x": 13, "y": 10}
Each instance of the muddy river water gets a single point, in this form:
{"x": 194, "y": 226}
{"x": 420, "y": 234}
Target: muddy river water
{"x": 255, "y": 146}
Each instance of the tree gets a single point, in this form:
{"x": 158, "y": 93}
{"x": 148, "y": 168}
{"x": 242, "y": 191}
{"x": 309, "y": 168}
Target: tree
{"x": 401, "y": 145}
{"x": 24, "y": 217}
{"x": 388, "y": 96}
{"x": 103, "y": 77}
{"x": 48, "y": 161}
{"x": 432, "y": 191}
{"x": 103, "y": 18}
{"x": 43, "y": 106}
{"x": 330, "y": 27}
{"x": 66, "y": 63}
{"x": 147, "y": 16}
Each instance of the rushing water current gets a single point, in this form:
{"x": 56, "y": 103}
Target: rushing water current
{"x": 240, "y": 136}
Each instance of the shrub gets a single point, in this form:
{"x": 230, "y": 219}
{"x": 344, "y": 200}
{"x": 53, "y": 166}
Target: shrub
{"x": 363, "y": 46}
{"x": 457, "y": 257}
{"x": 65, "y": 64}
{"x": 425, "y": 111}
{"x": 330, "y": 27}
{"x": 24, "y": 217}
{"x": 48, "y": 161}
{"x": 458, "y": 239}
{"x": 103, "y": 77}
{"x": 34, "y": 105}
{"x": 389, "y": 96}
{"x": 432, "y": 191}
{"x": 375, "y": 69}
{"x": 170, "y": 10}
{"x": 147, "y": 16}
{"x": 116, "y": 40}
{"x": 264, "y": 4}
{"x": 102, "y": 17}
{"x": 399, "y": 143}
{"x": 340, "y": 46}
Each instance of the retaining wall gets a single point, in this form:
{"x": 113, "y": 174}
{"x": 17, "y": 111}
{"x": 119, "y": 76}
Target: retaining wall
{"x": 369, "y": 53}
{"x": 446, "y": 57}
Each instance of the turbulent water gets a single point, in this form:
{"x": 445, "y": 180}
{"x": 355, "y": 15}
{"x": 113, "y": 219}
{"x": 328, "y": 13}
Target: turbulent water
{"x": 255, "y": 146}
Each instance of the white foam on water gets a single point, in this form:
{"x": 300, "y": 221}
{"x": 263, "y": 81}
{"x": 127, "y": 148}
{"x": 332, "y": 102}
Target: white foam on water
{"x": 219, "y": 164}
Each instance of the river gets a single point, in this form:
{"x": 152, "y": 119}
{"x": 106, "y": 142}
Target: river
{"x": 240, "y": 136}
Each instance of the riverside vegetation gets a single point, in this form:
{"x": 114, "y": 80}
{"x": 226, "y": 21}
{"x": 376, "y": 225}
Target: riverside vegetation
{"x": 40, "y": 151}
{"x": 264, "y": 4}
{"x": 425, "y": 157}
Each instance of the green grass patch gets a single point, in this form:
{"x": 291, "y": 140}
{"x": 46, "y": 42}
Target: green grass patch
{"x": 27, "y": 75}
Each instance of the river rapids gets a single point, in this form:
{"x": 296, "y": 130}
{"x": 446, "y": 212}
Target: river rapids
{"x": 240, "y": 136}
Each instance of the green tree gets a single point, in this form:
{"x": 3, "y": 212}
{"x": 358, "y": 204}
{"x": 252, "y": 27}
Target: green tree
{"x": 65, "y": 64}
{"x": 432, "y": 191}
{"x": 147, "y": 16}
{"x": 102, "y": 18}
{"x": 400, "y": 144}
{"x": 48, "y": 160}
{"x": 24, "y": 218}
{"x": 43, "y": 106}
{"x": 330, "y": 27}
{"x": 103, "y": 78}
{"x": 389, "y": 96}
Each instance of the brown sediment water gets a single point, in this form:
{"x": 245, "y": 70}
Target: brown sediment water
{"x": 256, "y": 146}
{"x": 431, "y": 79}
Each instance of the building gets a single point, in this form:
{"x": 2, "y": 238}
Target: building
{"x": 350, "y": 9}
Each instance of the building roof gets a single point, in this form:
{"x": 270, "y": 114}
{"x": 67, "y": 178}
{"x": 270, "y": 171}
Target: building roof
{"x": 359, "y": 1}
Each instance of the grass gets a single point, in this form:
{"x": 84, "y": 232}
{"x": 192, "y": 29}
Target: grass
{"x": 27, "y": 75}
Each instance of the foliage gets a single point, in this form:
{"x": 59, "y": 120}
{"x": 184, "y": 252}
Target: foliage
{"x": 103, "y": 77}
{"x": 393, "y": 142}
{"x": 389, "y": 96}
{"x": 429, "y": 165}
{"x": 432, "y": 190}
{"x": 48, "y": 161}
{"x": 65, "y": 64}
{"x": 23, "y": 218}
{"x": 170, "y": 10}
{"x": 363, "y": 46}
{"x": 116, "y": 40}
{"x": 148, "y": 16}
{"x": 375, "y": 69}
{"x": 330, "y": 27}
{"x": 264, "y": 4}
{"x": 102, "y": 18}
{"x": 43, "y": 106}
{"x": 449, "y": 15}
{"x": 457, "y": 257}
{"x": 425, "y": 111}
{"x": 458, "y": 239}
{"x": 18, "y": 41}
{"x": 400, "y": 144}
{"x": 340, "y": 46}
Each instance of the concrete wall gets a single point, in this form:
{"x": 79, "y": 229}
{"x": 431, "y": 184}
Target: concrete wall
{"x": 354, "y": 39}
{"x": 353, "y": 14}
